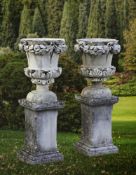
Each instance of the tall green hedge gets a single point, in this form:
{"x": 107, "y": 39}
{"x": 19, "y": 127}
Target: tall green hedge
{"x": 54, "y": 15}
{"x": 69, "y": 23}
{"x": 13, "y": 86}
{"x": 37, "y": 24}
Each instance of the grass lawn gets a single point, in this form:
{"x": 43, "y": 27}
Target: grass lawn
{"x": 124, "y": 136}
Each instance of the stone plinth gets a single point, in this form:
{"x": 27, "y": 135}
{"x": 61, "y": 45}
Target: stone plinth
{"x": 41, "y": 105}
{"x": 96, "y": 136}
{"x": 96, "y": 99}
{"x": 40, "y": 132}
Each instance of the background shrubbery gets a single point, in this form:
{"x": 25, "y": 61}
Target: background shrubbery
{"x": 70, "y": 116}
{"x": 128, "y": 89}
{"x": 69, "y": 19}
{"x": 15, "y": 85}
{"x": 123, "y": 84}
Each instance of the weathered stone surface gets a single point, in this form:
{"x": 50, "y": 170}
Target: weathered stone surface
{"x": 95, "y": 151}
{"x": 97, "y": 100}
{"x": 41, "y": 74}
{"x": 96, "y": 125}
{"x": 40, "y": 137}
{"x": 97, "y": 46}
{"x": 97, "y": 57}
{"x": 96, "y": 137}
{"x": 41, "y": 46}
{"x": 98, "y": 73}
{"x": 42, "y": 55}
{"x": 41, "y": 105}
{"x": 39, "y": 157}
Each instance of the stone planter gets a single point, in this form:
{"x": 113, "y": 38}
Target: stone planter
{"x": 96, "y": 99}
{"x": 41, "y": 105}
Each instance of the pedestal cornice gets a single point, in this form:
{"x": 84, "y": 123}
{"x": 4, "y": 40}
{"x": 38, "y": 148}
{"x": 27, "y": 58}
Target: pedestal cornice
{"x": 97, "y": 101}
{"x": 41, "y": 107}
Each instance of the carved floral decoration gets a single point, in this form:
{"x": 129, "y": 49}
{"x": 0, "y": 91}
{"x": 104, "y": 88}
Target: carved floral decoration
{"x": 42, "y": 48}
{"x": 92, "y": 49}
{"x": 98, "y": 72}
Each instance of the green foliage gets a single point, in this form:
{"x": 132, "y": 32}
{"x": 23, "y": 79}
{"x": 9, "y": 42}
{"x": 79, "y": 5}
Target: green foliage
{"x": 26, "y": 19}
{"x": 54, "y": 13}
{"x": 10, "y": 22}
{"x": 132, "y": 9}
{"x": 111, "y": 27}
{"x": 32, "y": 35}
{"x": 71, "y": 79}
{"x": 42, "y": 6}
{"x": 130, "y": 46}
{"x": 121, "y": 67}
{"x": 125, "y": 13}
{"x": 123, "y": 84}
{"x": 69, "y": 23}
{"x": 96, "y": 24}
{"x": 5, "y": 50}
{"x": 37, "y": 25}
{"x": 122, "y": 12}
{"x": 13, "y": 86}
{"x": 70, "y": 116}
{"x": 128, "y": 89}
{"x": 84, "y": 9}
{"x": 1, "y": 15}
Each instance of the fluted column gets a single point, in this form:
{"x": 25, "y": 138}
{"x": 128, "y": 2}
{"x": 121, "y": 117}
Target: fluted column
{"x": 41, "y": 105}
{"x": 96, "y": 99}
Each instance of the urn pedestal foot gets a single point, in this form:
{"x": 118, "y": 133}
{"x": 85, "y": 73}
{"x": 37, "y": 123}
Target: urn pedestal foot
{"x": 95, "y": 151}
{"x": 25, "y": 155}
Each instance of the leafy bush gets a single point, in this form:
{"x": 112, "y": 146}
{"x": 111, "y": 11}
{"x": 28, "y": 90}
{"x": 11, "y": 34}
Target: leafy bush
{"x": 128, "y": 89}
{"x": 70, "y": 80}
{"x": 13, "y": 86}
{"x": 4, "y": 50}
{"x": 123, "y": 84}
{"x": 69, "y": 117}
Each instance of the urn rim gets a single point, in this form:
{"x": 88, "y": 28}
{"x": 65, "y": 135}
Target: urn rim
{"x": 97, "y": 40}
{"x": 42, "y": 40}
{"x": 41, "y": 46}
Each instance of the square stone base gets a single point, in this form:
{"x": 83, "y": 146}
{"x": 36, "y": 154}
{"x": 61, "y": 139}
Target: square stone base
{"x": 39, "y": 157}
{"x": 95, "y": 151}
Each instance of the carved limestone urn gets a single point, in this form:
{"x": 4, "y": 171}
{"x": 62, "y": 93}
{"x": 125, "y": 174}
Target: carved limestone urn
{"x": 41, "y": 105}
{"x": 96, "y": 99}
